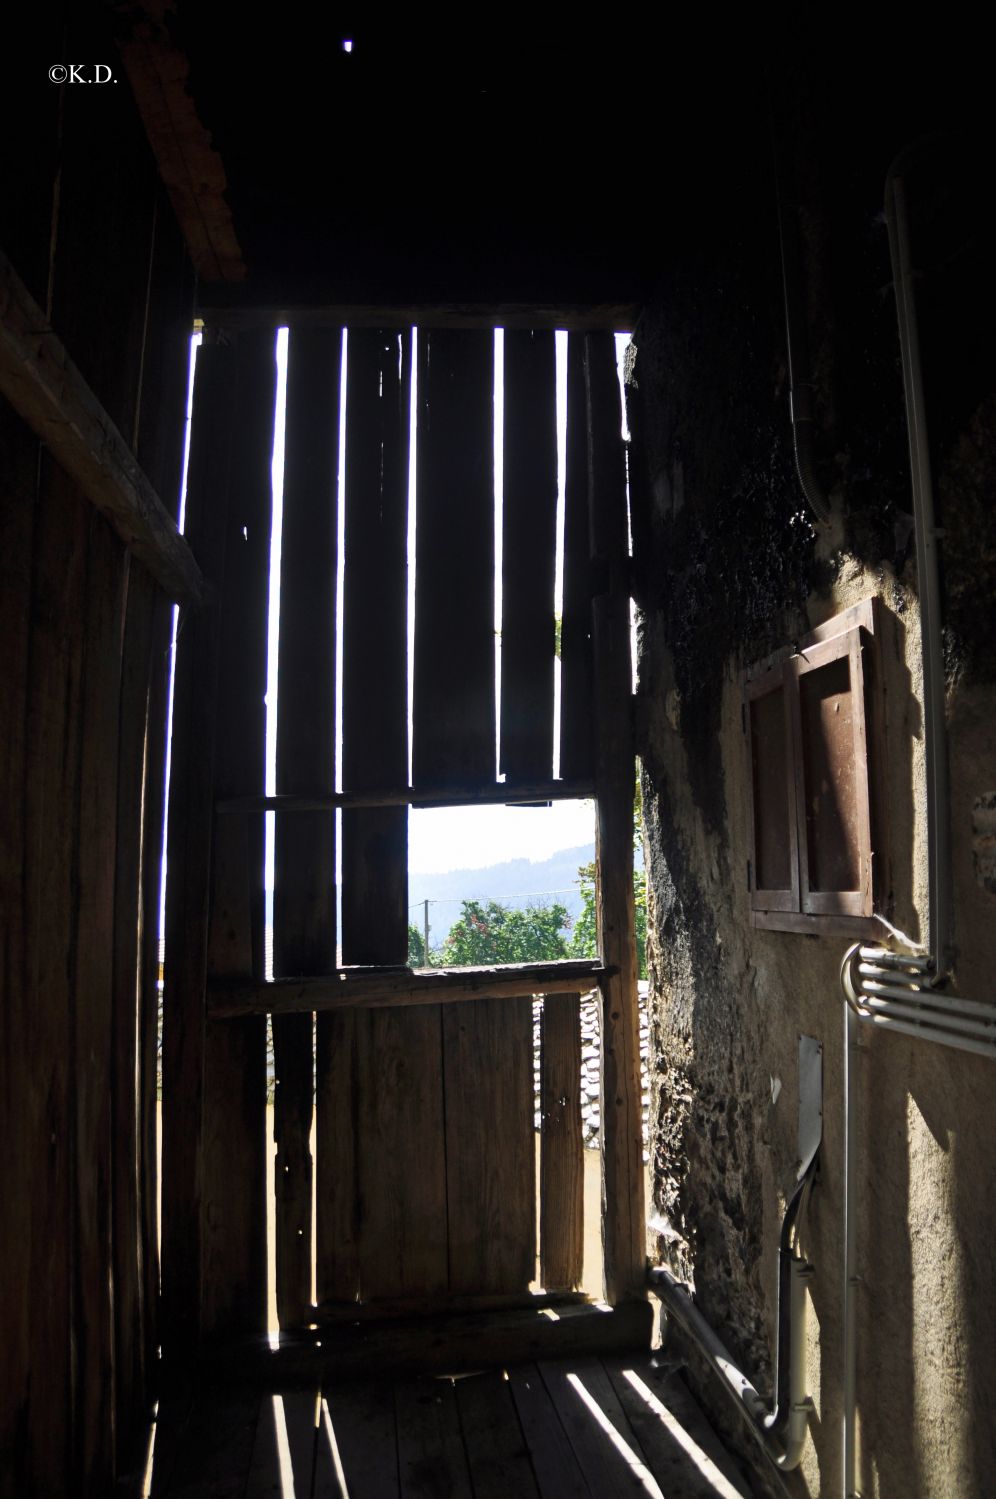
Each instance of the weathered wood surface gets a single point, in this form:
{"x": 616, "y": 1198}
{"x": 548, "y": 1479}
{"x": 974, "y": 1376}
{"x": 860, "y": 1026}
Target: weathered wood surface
{"x": 490, "y": 1146}
{"x": 597, "y": 1428}
{"x": 229, "y": 308}
{"x": 624, "y": 1425}
{"x": 623, "y": 1214}
{"x": 499, "y": 793}
{"x": 233, "y": 1292}
{"x": 359, "y": 1424}
{"x": 576, "y": 710}
{"x": 681, "y": 1447}
{"x": 359, "y": 988}
{"x": 557, "y": 1470}
{"x": 454, "y": 702}
{"x": 561, "y": 1143}
{"x": 397, "y": 1082}
{"x": 432, "y": 1459}
{"x": 128, "y": 1079}
{"x": 386, "y": 1307}
{"x": 92, "y": 1009}
{"x": 45, "y": 387}
{"x": 529, "y": 549}
{"x": 446, "y": 1344}
{"x": 43, "y": 1136}
{"x": 337, "y": 1226}
{"x": 497, "y": 1456}
{"x": 18, "y": 1108}
{"x": 191, "y": 801}
{"x": 304, "y": 915}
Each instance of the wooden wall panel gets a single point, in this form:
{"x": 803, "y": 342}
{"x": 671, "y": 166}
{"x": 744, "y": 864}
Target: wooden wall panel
{"x": 94, "y": 1445}
{"x": 398, "y": 1101}
{"x": 191, "y": 799}
{"x": 304, "y": 874}
{"x": 529, "y": 535}
{"x": 561, "y": 1144}
{"x": 51, "y": 795}
{"x": 490, "y": 1145}
{"x": 233, "y": 1292}
{"x": 75, "y": 1376}
{"x": 454, "y": 708}
{"x": 576, "y": 707}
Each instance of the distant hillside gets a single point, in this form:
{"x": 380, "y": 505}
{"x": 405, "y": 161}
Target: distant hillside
{"x": 517, "y": 882}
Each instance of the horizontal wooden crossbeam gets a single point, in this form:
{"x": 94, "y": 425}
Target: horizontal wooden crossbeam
{"x": 380, "y": 988}
{"x": 496, "y": 793}
{"x": 45, "y": 387}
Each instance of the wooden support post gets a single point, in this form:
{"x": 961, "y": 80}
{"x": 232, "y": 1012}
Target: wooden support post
{"x": 623, "y": 1211}
{"x": 191, "y": 803}
{"x": 304, "y": 914}
{"x": 561, "y": 1144}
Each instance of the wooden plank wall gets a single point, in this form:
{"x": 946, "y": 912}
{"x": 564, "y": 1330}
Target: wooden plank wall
{"x": 82, "y": 696}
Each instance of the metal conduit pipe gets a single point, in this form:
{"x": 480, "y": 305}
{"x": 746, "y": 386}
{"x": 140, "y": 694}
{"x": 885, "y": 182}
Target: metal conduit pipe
{"x": 784, "y": 1429}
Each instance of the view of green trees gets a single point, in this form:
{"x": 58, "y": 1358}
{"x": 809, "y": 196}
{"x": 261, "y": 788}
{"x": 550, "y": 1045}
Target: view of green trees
{"x": 490, "y": 932}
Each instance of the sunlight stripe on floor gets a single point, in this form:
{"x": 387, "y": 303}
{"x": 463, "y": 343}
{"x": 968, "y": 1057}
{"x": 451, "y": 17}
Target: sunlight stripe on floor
{"x": 724, "y": 1489}
{"x": 636, "y": 1464}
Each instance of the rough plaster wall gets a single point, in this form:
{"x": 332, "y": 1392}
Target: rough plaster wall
{"x": 728, "y": 568}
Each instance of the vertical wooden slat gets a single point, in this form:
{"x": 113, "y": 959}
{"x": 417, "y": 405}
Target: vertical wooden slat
{"x": 623, "y": 1210}
{"x": 398, "y": 1077}
{"x": 576, "y": 710}
{"x": 93, "y": 1013}
{"x": 159, "y": 446}
{"x": 561, "y": 1144}
{"x": 51, "y": 794}
{"x": 191, "y": 819}
{"x": 233, "y": 1148}
{"x": 490, "y": 1146}
{"x": 529, "y": 534}
{"x": 454, "y": 706}
{"x": 127, "y": 1068}
{"x": 337, "y": 1256}
{"x": 304, "y": 914}
{"x": 19, "y": 454}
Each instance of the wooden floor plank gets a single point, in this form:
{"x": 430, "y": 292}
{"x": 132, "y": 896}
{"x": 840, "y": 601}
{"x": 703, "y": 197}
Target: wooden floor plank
{"x": 604, "y": 1443}
{"x": 493, "y": 1439}
{"x": 217, "y": 1447}
{"x": 432, "y": 1462}
{"x": 173, "y": 1416}
{"x": 686, "y": 1454}
{"x": 554, "y": 1464}
{"x": 283, "y": 1455}
{"x": 359, "y": 1432}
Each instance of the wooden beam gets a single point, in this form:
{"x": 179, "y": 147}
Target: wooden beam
{"x": 190, "y": 167}
{"x": 378, "y": 988}
{"x": 501, "y": 793}
{"x": 388, "y": 1308}
{"x": 623, "y": 1209}
{"x": 47, "y": 390}
{"x": 448, "y": 1344}
{"x": 228, "y": 307}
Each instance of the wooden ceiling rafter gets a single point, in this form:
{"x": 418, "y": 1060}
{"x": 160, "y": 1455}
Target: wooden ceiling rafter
{"x": 191, "y": 169}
